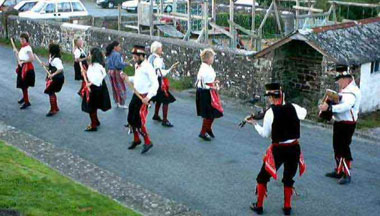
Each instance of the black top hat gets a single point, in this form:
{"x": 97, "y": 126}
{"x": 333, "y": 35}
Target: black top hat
{"x": 273, "y": 89}
{"x": 138, "y": 50}
{"x": 342, "y": 72}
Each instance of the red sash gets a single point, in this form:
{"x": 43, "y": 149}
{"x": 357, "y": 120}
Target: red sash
{"x": 270, "y": 164}
{"x": 215, "y": 98}
{"x": 24, "y": 69}
{"x": 48, "y": 83}
{"x": 85, "y": 90}
{"x": 165, "y": 83}
{"x": 143, "y": 112}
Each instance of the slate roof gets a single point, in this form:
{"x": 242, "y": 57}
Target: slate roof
{"x": 351, "y": 43}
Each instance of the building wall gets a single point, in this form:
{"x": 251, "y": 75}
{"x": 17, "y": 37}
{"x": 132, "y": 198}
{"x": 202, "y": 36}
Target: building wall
{"x": 299, "y": 68}
{"x": 370, "y": 89}
{"x": 240, "y": 75}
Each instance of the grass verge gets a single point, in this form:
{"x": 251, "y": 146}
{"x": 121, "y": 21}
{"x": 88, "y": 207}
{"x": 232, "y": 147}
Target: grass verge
{"x": 34, "y": 189}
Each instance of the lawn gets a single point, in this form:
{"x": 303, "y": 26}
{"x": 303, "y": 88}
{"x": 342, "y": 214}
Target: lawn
{"x": 32, "y": 188}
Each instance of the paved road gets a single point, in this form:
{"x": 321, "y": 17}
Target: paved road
{"x": 216, "y": 178}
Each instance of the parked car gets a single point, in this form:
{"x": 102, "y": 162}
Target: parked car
{"x": 245, "y": 3}
{"x": 109, "y": 3}
{"x": 51, "y": 9}
{"x": 25, "y": 5}
{"x": 131, "y": 5}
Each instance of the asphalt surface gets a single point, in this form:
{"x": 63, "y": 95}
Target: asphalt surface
{"x": 216, "y": 178}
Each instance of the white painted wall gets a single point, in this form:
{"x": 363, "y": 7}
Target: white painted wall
{"x": 370, "y": 89}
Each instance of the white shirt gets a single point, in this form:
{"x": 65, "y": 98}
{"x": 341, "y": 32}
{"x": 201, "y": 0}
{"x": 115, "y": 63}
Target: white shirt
{"x": 206, "y": 74}
{"x": 145, "y": 79}
{"x": 56, "y": 62}
{"x": 348, "y": 107}
{"x": 78, "y": 52}
{"x": 266, "y": 129}
{"x": 96, "y": 74}
{"x": 23, "y": 53}
{"x": 158, "y": 64}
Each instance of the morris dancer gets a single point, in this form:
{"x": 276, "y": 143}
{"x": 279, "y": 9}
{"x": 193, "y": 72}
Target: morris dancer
{"x": 345, "y": 115}
{"x": 25, "y": 70}
{"x": 282, "y": 124}
{"x": 163, "y": 96}
{"x": 207, "y": 98}
{"x": 146, "y": 85}
{"x": 80, "y": 57}
{"x": 54, "y": 80}
{"x": 95, "y": 94}
{"x": 115, "y": 65}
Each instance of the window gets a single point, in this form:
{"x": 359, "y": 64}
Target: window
{"x": 77, "y": 7}
{"x": 50, "y": 8}
{"x": 375, "y": 67}
{"x": 27, "y": 6}
{"x": 64, "y": 7}
{"x": 38, "y": 7}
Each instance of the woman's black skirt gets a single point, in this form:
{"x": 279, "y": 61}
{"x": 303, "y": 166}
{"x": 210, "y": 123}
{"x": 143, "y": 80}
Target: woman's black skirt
{"x": 99, "y": 99}
{"x": 28, "y": 81}
{"x": 161, "y": 97}
{"x": 78, "y": 72}
{"x": 203, "y": 103}
{"x": 56, "y": 84}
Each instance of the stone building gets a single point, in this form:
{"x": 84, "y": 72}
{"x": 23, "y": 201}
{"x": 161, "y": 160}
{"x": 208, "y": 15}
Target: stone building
{"x": 304, "y": 61}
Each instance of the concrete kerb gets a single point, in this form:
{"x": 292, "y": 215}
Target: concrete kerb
{"x": 97, "y": 179}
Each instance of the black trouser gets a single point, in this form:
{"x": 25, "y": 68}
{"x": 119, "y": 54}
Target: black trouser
{"x": 287, "y": 155}
{"x": 342, "y": 137}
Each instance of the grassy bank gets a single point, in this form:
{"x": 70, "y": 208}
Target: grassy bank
{"x": 28, "y": 186}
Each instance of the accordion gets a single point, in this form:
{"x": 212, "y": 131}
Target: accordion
{"x": 331, "y": 97}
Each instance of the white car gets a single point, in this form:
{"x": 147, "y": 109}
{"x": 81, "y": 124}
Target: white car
{"x": 25, "y": 5}
{"x": 131, "y": 5}
{"x": 52, "y": 9}
{"x": 245, "y": 3}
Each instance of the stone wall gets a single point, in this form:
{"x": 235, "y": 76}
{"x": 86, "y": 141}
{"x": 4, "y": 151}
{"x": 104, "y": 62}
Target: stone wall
{"x": 240, "y": 75}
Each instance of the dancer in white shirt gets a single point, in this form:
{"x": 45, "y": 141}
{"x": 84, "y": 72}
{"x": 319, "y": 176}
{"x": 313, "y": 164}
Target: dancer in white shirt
{"x": 146, "y": 84}
{"x": 95, "y": 93}
{"x": 345, "y": 115}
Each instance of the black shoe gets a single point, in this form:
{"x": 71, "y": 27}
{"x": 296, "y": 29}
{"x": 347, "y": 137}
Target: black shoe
{"x": 25, "y": 105}
{"x": 204, "y": 137}
{"x": 90, "y": 129}
{"x": 167, "y": 124}
{"x": 258, "y": 210}
{"x": 211, "y": 134}
{"x": 333, "y": 174}
{"x": 345, "y": 180}
{"x": 98, "y": 123}
{"x": 134, "y": 144}
{"x": 157, "y": 118}
{"x": 21, "y": 101}
{"x": 287, "y": 211}
{"x": 146, "y": 148}
{"x": 51, "y": 113}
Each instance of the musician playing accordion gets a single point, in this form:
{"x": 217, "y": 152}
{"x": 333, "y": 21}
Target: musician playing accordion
{"x": 345, "y": 115}
{"x": 282, "y": 124}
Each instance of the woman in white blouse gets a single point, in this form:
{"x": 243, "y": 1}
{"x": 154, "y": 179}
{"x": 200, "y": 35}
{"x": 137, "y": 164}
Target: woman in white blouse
{"x": 96, "y": 94}
{"x": 204, "y": 101}
{"x": 25, "y": 70}
{"x": 79, "y": 57}
{"x": 54, "y": 80}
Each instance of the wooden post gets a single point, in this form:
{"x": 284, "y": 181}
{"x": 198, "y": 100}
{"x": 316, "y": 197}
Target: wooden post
{"x": 232, "y": 30}
{"x": 151, "y": 19}
{"x": 253, "y": 23}
{"x": 277, "y": 16}
{"x": 175, "y": 11}
{"x": 297, "y": 13}
{"x": 213, "y": 11}
{"x": 138, "y": 16}
{"x": 205, "y": 18}
{"x": 119, "y": 17}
